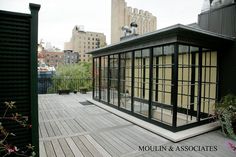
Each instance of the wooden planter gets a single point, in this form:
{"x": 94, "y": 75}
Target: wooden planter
{"x": 83, "y": 90}
{"x": 63, "y": 91}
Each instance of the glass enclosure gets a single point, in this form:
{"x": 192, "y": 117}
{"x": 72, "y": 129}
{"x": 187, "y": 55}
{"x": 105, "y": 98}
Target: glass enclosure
{"x": 174, "y": 85}
{"x": 125, "y": 80}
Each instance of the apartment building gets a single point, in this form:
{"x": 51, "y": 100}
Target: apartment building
{"x": 82, "y": 42}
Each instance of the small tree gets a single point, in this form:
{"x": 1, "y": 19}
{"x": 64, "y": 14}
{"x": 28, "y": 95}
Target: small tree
{"x": 72, "y": 76}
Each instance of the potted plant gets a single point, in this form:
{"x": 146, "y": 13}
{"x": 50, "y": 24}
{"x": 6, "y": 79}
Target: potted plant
{"x": 63, "y": 89}
{"x": 226, "y": 113}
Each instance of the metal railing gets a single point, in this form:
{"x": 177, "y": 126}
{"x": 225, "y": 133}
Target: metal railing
{"x": 52, "y": 85}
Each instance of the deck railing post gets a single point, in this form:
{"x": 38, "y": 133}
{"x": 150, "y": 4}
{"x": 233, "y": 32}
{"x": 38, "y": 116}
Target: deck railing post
{"x": 34, "y": 8}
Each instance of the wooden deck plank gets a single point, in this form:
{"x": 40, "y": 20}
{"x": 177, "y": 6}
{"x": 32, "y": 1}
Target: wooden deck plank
{"x": 112, "y": 143}
{"x": 72, "y": 127}
{"x": 55, "y": 128}
{"x": 77, "y": 125}
{"x": 102, "y": 151}
{"x": 83, "y": 124}
{"x": 40, "y": 116}
{"x": 53, "y": 113}
{"x": 61, "y": 128}
{"x": 124, "y": 139}
{"x": 65, "y": 147}
{"x": 120, "y": 132}
{"x": 57, "y": 148}
{"x": 123, "y": 146}
{"x": 107, "y": 122}
{"x": 42, "y": 150}
{"x": 82, "y": 147}
{"x": 136, "y": 134}
{"x": 49, "y": 149}
{"x": 136, "y": 137}
{"x": 43, "y": 129}
{"x": 93, "y": 123}
{"x": 40, "y": 134}
{"x": 49, "y": 129}
{"x": 48, "y": 115}
{"x": 74, "y": 148}
{"x": 44, "y": 116}
{"x": 109, "y": 148}
{"x": 66, "y": 127}
{"x": 90, "y": 147}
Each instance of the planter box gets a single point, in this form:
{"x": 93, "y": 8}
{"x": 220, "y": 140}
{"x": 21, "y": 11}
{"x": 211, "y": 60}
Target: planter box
{"x": 83, "y": 90}
{"x": 63, "y": 91}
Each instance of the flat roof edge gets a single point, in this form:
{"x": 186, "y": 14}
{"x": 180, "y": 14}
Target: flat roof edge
{"x": 171, "y": 29}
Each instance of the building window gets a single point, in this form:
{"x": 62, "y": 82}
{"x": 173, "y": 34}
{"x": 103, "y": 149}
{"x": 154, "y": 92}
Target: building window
{"x": 113, "y": 79}
{"x": 141, "y": 81}
{"x": 104, "y": 78}
{"x": 125, "y": 80}
{"x": 162, "y": 76}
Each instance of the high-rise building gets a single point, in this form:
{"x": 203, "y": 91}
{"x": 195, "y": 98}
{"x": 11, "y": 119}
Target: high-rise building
{"x": 82, "y": 42}
{"x": 121, "y": 15}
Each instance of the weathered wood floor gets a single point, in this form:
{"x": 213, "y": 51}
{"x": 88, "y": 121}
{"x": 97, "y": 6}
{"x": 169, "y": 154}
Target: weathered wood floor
{"x": 69, "y": 129}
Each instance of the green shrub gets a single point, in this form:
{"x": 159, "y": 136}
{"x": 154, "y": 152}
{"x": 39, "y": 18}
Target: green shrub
{"x": 72, "y": 76}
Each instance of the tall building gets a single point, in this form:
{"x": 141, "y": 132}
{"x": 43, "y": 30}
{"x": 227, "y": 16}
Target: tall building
{"x": 121, "y": 15}
{"x": 82, "y": 42}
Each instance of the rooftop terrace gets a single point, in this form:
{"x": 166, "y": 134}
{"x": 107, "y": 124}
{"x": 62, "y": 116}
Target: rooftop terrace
{"x": 71, "y": 126}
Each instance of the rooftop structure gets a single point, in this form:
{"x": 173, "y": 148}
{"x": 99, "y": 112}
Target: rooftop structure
{"x": 171, "y": 77}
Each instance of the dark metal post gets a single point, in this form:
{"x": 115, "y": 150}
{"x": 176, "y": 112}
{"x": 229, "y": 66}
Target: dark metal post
{"x": 144, "y": 74}
{"x": 174, "y": 87}
{"x": 93, "y": 79}
{"x": 34, "y": 8}
{"x": 100, "y": 75}
{"x": 132, "y": 83}
{"x": 150, "y": 82}
{"x": 218, "y": 78}
{"x": 199, "y": 84}
{"x": 118, "y": 90}
{"x": 108, "y": 77}
{"x": 193, "y": 67}
{"x": 157, "y": 76}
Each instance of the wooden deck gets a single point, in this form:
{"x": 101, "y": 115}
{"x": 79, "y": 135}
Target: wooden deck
{"x": 69, "y": 129}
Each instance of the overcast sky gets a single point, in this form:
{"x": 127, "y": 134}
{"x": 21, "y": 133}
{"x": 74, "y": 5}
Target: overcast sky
{"x": 58, "y": 17}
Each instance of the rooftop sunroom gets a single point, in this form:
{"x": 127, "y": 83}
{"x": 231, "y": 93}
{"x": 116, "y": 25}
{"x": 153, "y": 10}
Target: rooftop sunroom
{"x": 169, "y": 77}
